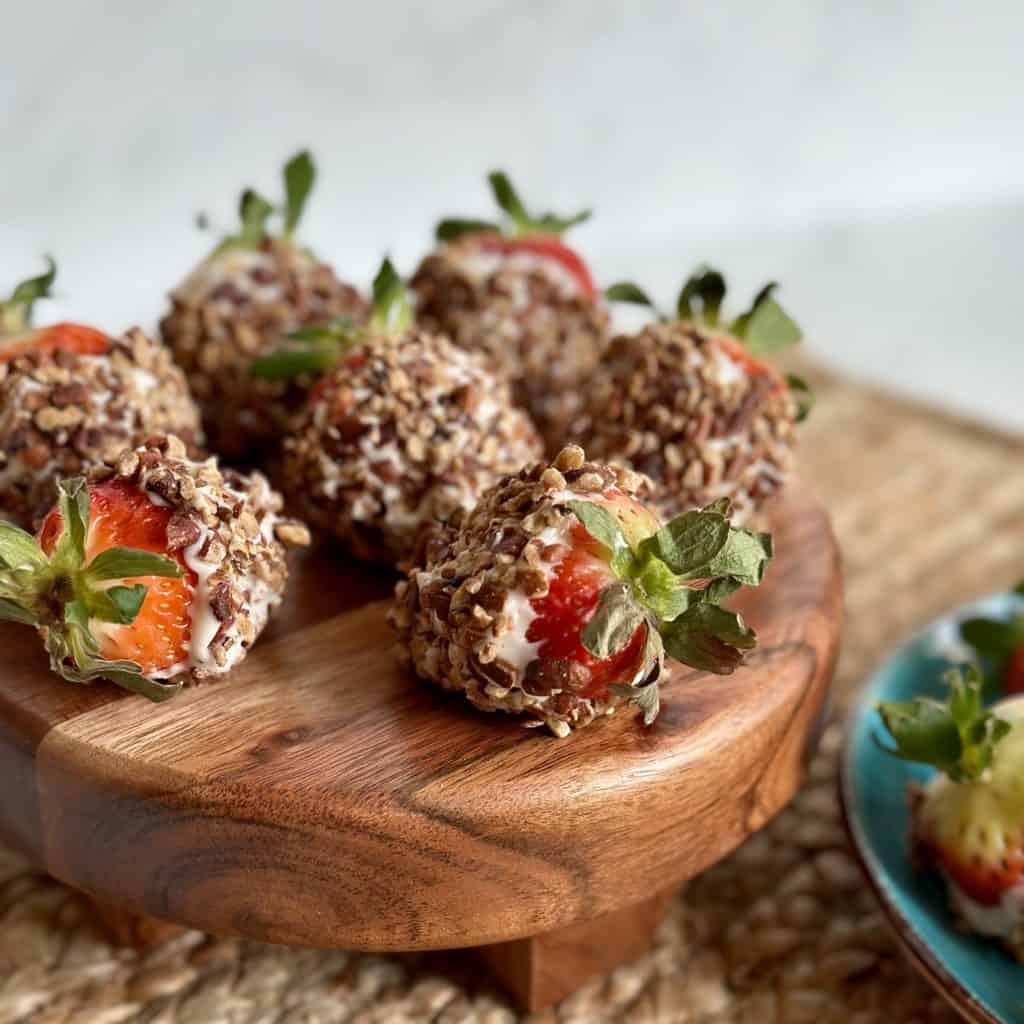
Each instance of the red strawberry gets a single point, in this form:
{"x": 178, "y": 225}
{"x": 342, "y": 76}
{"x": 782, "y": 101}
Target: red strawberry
{"x": 765, "y": 327}
{"x": 16, "y": 336}
{"x": 523, "y": 232}
{"x": 82, "y": 586}
{"x": 549, "y": 247}
{"x": 999, "y": 644}
{"x": 626, "y": 586}
{"x": 66, "y": 337}
{"x": 121, "y": 516}
{"x": 1013, "y": 675}
{"x": 575, "y": 591}
{"x": 561, "y": 594}
{"x": 739, "y": 355}
{"x": 969, "y": 819}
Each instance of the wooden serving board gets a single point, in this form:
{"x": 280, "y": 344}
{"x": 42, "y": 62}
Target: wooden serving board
{"x": 321, "y": 796}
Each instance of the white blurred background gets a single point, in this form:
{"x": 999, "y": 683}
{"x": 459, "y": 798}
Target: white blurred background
{"x": 870, "y": 156}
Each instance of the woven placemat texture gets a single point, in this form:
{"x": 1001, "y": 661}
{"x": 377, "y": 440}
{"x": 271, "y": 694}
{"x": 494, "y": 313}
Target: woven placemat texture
{"x": 929, "y": 512}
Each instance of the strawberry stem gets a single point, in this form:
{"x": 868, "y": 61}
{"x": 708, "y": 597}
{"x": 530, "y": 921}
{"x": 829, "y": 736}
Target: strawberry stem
{"x": 16, "y": 311}
{"x": 316, "y": 350}
{"x": 672, "y": 582}
{"x": 61, "y": 594}
{"x": 958, "y": 736}
{"x": 519, "y": 222}
{"x": 255, "y": 210}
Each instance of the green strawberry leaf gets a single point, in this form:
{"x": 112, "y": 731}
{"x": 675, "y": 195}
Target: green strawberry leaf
{"x": 520, "y": 221}
{"x": 552, "y": 224}
{"x": 507, "y": 198}
{"x": 452, "y": 228}
{"x": 614, "y": 622}
{"x": 392, "y": 312}
{"x": 289, "y": 362}
{"x": 718, "y": 591}
{"x": 645, "y": 694}
{"x": 701, "y": 296}
{"x": 18, "y": 549}
{"x": 337, "y": 329}
{"x": 646, "y": 698}
{"x": 689, "y": 543}
{"x": 744, "y": 557}
{"x": 605, "y": 529}
{"x": 660, "y": 589}
{"x": 11, "y": 611}
{"x": 766, "y": 326}
{"x": 74, "y": 509}
{"x": 254, "y": 212}
{"x": 117, "y": 604}
{"x": 709, "y": 638}
{"x": 802, "y": 394}
{"x": 1019, "y": 588}
{"x": 991, "y": 637}
{"x": 958, "y": 736}
{"x": 124, "y": 563}
{"x": 626, "y": 291}
{"x": 16, "y": 311}
{"x": 299, "y": 175}
{"x": 74, "y": 656}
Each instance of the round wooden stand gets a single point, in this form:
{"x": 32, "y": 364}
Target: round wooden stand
{"x": 320, "y": 796}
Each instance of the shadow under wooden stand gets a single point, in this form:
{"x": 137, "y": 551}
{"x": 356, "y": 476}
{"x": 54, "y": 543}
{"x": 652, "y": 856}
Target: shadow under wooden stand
{"x": 321, "y": 797}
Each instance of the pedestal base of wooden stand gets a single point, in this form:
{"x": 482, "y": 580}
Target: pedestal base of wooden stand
{"x": 536, "y": 972}
{"x": 543, "y": 969}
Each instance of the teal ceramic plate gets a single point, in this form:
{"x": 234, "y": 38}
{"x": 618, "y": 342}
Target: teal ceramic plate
{"x": 976, "y": 976}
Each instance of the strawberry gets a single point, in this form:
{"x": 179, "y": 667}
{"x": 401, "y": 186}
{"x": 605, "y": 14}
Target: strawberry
{"x": 402, "y": 429}
{"x": 316, "y": 350}
{"x": 515, "y": 293}
{"x": 522, "y": 232}
{"x": 999, "y": 646}
{"x": 17, "y": 337}
{"x": 240, "y": 303}
{"x": 690, "y": 402}
{"x": 764, "y": 328}
{"x": 122, "y": 516}
{"x": 1013, "y": 676}
{"x": 87, "y": 588}
{"x": 561, "y": 594}
{"x": 575, "y": 592}
{"x": 158, "y": 568}
{"x": 64, "y": 337}
{"x": 969, "y": 819}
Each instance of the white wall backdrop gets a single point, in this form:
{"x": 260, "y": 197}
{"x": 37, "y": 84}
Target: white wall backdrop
{"x": 868, "y": 155}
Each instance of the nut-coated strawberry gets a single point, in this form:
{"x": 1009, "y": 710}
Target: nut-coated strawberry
{"x": 560, "y": 595}
{"x": 155, "y": 570}
{"x": 403, "y": 431}
{"x": 257, "y": 286}
{"x": 968, "y": 820}
{"x": 691, "y": 402}
{"x": 515, "y": 292}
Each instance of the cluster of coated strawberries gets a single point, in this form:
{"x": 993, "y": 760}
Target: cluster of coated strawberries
{"x": 411, "y": 426}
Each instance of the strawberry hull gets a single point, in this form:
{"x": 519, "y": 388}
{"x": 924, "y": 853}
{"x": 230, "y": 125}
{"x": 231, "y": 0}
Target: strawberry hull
{"x": 235, "y": 307}
{"x": 676, "y": 403}
{"x": 62, "y": 412}
{"x": 539, "y": 326}
{"x": 972, "y": 833}
{"x": 405, "y": 432}
{"x": 226, "y": 530}
{"x": 495, "y": 606}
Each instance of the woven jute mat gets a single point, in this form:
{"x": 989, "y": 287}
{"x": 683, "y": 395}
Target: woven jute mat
{"x": 930, "y": 511}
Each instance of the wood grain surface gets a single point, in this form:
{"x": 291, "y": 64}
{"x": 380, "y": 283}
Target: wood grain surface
{"x": 321, "y": 796}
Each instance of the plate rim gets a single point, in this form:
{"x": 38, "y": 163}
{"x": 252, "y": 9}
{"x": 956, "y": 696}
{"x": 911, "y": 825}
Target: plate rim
{"x": 920, "y": 954}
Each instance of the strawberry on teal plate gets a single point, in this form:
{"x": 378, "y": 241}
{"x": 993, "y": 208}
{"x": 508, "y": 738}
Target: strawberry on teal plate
{"x": 976, "y": 974}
